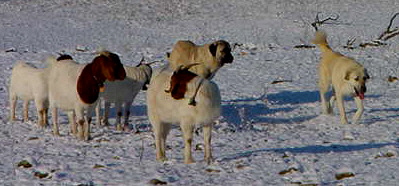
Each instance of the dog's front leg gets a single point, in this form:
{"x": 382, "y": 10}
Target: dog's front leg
{"x": 359, "y": 112}
{"x": 341, "y": 107}
{"x": 325, "y": 106}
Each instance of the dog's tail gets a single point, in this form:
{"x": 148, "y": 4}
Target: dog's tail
{"x": 320, "y": 39}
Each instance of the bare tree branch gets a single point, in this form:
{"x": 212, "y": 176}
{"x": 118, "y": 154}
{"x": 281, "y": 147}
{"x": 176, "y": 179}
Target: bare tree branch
{"x": 317, "y": 21}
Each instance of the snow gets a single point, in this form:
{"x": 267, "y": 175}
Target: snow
{"x": 265, "y": 129}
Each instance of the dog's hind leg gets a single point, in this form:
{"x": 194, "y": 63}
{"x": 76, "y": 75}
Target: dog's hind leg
{"x": 359, "y": 112}
{"x": 325, "y": 105}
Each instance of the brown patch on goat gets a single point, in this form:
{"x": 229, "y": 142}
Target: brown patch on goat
{"x": 106, "y": 66}
{"x": 179, "y": 81}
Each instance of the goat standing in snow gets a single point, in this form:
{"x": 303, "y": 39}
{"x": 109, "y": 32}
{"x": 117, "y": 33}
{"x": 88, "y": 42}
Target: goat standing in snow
{"x": 76, "y": 87}
{"x": 30, "y": 83}
{"x": 165, "y": 109}
{"x": 123, "y": 93}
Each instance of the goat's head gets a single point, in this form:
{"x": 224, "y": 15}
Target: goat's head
{"x": 108, "y": 66}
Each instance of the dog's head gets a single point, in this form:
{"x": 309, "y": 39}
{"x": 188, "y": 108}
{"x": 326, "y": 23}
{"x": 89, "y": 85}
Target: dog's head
{"x": 357, "y": 79}
{"x": 221, "y": 50}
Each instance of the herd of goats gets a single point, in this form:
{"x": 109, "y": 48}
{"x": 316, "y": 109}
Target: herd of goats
{"x": 181, "y": 92}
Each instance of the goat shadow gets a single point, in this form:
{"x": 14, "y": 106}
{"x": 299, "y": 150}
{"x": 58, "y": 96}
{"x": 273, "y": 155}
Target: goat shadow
{"x": 314, "y": 149}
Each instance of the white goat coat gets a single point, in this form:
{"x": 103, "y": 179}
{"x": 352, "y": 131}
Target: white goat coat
{"x": 123, "y": 92}
{"x": 164, "y": 110}
{"x": 62, "y": 86}
{"x": 29, "y": 83}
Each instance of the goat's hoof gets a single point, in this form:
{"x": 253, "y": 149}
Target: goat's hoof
{"x": 189, "y": 161}
{"x": 162, "y": 159}
{"x": 119, "y": 127}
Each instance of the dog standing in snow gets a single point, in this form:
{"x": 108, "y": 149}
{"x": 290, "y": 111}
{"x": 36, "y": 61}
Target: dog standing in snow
{"x": 346, "y": 76}
{"x": 167, "y": 106}
{"x": 209, "y": 56}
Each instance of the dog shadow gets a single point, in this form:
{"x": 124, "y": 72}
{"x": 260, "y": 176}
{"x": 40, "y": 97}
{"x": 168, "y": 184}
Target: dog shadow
{"x": 312, "y": 149}
{"x": 239, "y": 111}
{"x": 290, "y": 97}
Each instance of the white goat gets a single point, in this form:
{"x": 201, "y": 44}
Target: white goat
{"x": 75, "y": 87}
{"x": 123, "y": 93}
{"x": 172, "y": 107}
{"x": 30, "y": 83}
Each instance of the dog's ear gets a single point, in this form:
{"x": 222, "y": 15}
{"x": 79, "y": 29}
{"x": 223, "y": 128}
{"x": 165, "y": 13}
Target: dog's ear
{"x": 212, "y": 48}
{"x": 347, "y": 75}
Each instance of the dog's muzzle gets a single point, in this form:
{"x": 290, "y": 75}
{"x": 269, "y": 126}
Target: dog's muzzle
{"x": 227, "y": 59}
{"x": 360, "y": 93}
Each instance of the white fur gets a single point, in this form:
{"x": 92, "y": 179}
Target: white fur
{"x": 123, "y": 93}
{"x": 29, "y": 83}
{"x": 164, "y": 110}
{"x": 63, "y": 95}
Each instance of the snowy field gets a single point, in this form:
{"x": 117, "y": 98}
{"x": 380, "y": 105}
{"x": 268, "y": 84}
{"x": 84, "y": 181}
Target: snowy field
{"x": 268, "y": 134}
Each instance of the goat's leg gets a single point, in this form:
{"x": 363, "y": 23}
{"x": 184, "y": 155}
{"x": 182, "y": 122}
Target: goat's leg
{"x": 187, "y": 129}
{"x": 13, "y": 104}
{"x": 104, "y": 120}
{"x": 161, "y": 131}
{"x": 73, "y": 127}
{"x": 80, "y": 122}
{"x": 26, "y": 110}
{"x": 118, "y": 107}
{"x": 207, "y": 129}
{"x": 54, "y": 115}
{"x": 98, "y": 113}
{"x": 126, "y": 116}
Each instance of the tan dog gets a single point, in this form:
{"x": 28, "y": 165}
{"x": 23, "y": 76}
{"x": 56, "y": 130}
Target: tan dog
{"x": 209, "y": 56}
{"x": 346, "y": 76}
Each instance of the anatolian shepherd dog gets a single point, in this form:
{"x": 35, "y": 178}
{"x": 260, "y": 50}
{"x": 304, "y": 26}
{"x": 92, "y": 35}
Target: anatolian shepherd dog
{"x": 209, "y": 56}
{"x": 346, "y": 76}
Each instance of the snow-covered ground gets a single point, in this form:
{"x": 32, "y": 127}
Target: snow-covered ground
{"x": 268, "y": 134}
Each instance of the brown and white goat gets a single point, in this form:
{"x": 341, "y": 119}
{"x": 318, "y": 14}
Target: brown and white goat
{"x": 76, "y": 87}
{"x": 172, "y": 107}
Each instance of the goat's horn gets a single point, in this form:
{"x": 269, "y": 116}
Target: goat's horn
{"x": 189, "y": 66}
{"x": 150, "y": 63}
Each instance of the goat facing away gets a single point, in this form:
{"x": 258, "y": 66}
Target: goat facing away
{"x": 30, "y": 83}
{"x": 76, "y": 87}
{"x": 165, "y": 109}
{"x": 122, "y": 93}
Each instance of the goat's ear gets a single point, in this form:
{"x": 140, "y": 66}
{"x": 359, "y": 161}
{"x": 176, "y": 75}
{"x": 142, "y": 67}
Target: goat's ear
{"x": 212, "y": 48}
